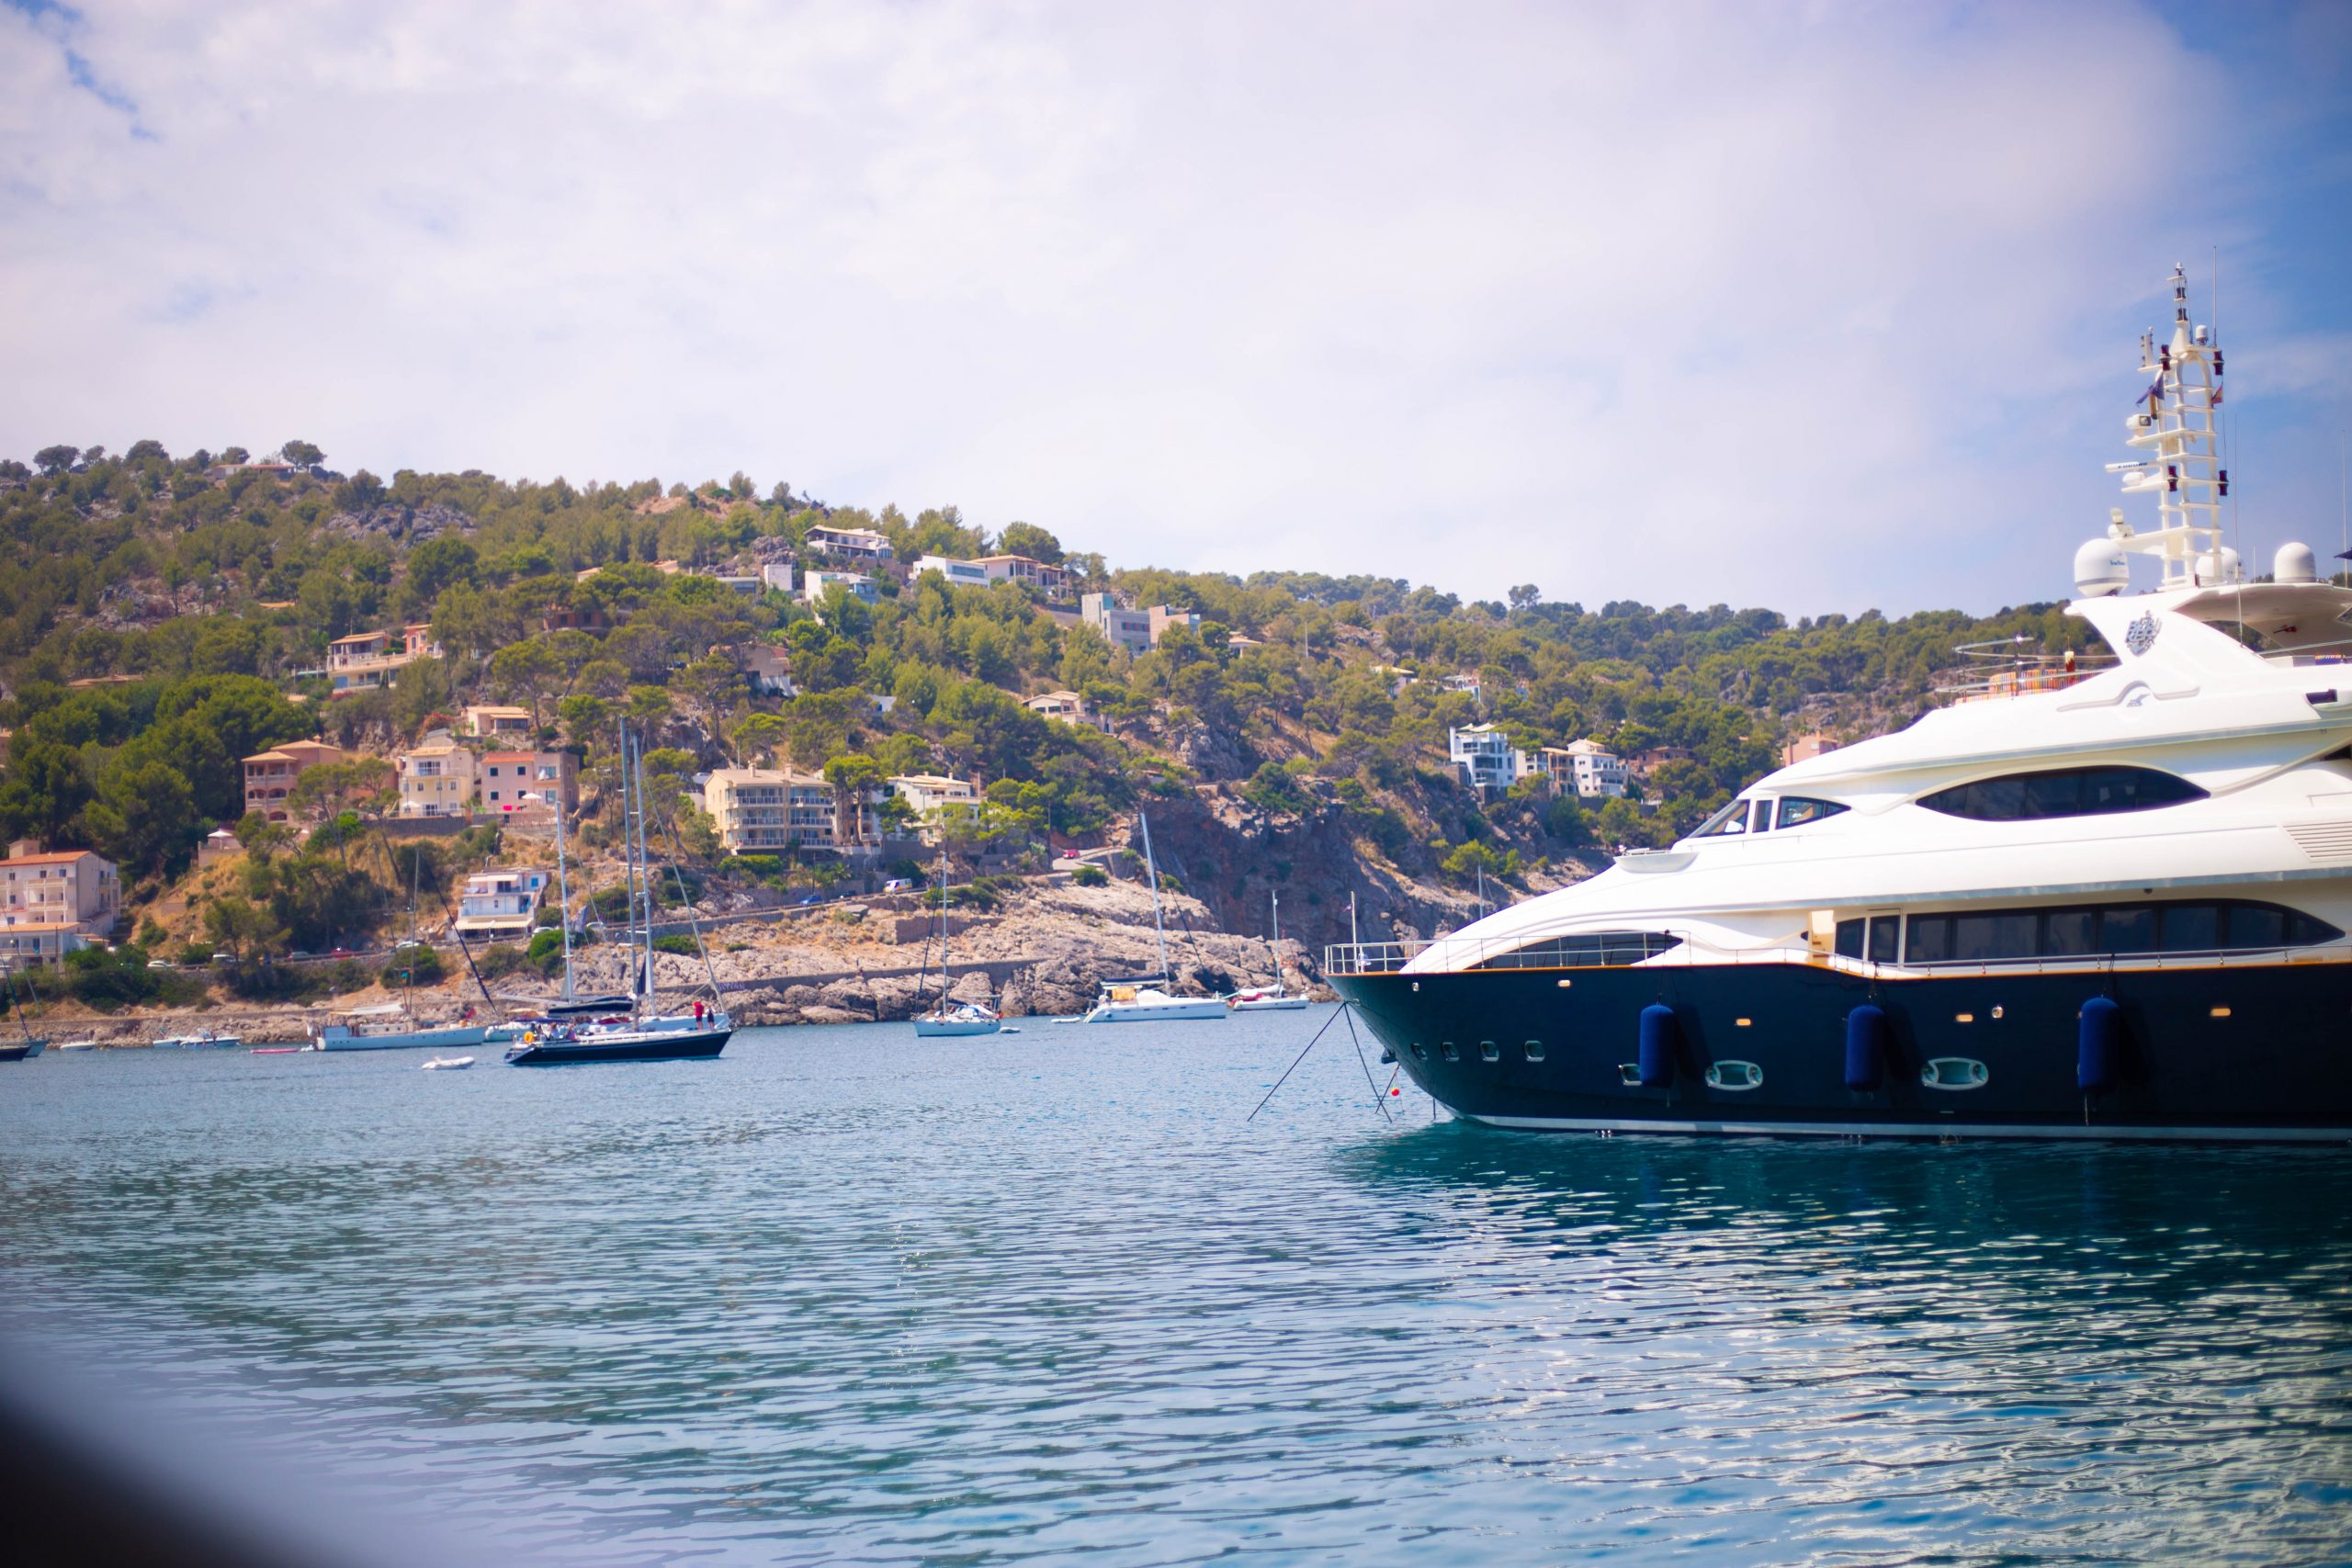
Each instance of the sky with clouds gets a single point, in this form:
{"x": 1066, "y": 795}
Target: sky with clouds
{"x": 1817, "y": 306}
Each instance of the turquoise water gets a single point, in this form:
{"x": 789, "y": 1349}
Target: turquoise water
{"x": 846, "y": 1295}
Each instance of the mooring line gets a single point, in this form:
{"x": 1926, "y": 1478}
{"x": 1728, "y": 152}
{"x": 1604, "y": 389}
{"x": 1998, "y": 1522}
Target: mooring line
{"x": 1301, "y": 1056}
{"x": 1369, "y": 1081}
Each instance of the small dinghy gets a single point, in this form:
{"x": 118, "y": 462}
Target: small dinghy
{"x": 447, "y": 1064}
{"x": 277, "y": 1050}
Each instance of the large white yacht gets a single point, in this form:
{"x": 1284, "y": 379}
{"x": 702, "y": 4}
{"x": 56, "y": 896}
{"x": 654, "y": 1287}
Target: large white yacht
{"x": 2104, "y": 897}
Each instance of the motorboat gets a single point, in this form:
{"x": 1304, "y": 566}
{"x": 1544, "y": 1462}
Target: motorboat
{"x": 387, "y": 1026}
{"x": 201, "y": 1039}
{"x": 1264, "y": 999}
{"x": 2093, "y": 895}
{"x": 1143, "y": 1001}
{"x": 945, "y": 1017}
{"x": 448, "y": 1064}
{"x": 77, "y": 1045}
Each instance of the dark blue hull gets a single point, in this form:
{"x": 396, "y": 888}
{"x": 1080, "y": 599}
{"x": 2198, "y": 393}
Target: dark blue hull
{"x": 2260, "y": 1051}
{"x": 648, "y": 1048}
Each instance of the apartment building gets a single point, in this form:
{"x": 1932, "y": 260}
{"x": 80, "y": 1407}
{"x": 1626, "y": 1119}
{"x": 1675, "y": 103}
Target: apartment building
{"x": 960, "y": 573}
{"x": 508, "y": 781}
{"x": 497, "y": 723}
{"x": 499, "y": 905}
{"x": 438, "y": 778}
{"x": 1054, "y": 580}
{"x": 1486, "y": 758}
{"x": 366, "y": 660}
{"x": 1120, "y": 626}
{"x": 51, "y": 904}
{"x": 271, "y": 775}
{"x": 1585, "y": 770}
{"x": 765, "y": 811}
{"x": 856, "y": 544}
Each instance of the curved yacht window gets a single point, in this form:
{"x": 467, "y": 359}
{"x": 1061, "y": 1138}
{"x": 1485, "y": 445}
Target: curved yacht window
{"x": 1584, "y": 950}
{"x": 1731, "y": 818}
{"x": 2067, "y": 791}
{"x": 1796, "y": 811}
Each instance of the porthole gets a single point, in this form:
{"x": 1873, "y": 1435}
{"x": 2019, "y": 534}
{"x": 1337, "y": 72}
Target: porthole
{"x": 1420, "y": 1055}
{"x": 1489, "y": 1052}
{"x": 1955, "y": 1072}
{"x": 1535, "y": 1050}
{"x": 1449, "y": 1053}
{"x": 1734, "y": 1075}
{"x": 1564, "y": 985}
{"x": 1630, "y": 1074}
{"x": 2218, "y": 1012}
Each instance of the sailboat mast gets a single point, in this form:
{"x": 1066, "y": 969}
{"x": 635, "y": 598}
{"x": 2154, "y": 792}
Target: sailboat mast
{"x": 628, "y": 871}
{"x": 645, "y": 862}
{"x": 562, "y": 886}
{"x": 1152, "y": 870}
{"x": 1276, "y": 940}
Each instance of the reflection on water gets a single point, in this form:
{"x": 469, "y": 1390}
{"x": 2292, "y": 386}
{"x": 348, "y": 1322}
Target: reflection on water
{"x": 845, "y": 1295}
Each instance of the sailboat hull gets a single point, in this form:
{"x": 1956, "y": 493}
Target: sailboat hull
{"x": 334, "y": 1037}
{"x": 1269, "y": 1004}
{"x": 930, "y": 1028}
{"x": 1155, "y": 1013}
{"x": 631, "y": 1046}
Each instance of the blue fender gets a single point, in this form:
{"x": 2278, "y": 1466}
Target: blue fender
{"x": 1660, "y": 1035}
{"x": 1866, "y": 1047}
{"x": 2098, "y": 1047}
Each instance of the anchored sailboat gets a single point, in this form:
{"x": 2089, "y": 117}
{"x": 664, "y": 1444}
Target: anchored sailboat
{"x": 954, "y": 1017}
{"x": 1269, "y": 999}
{"x": 644, "y": 1034}
{"x": 1143, "y": 998}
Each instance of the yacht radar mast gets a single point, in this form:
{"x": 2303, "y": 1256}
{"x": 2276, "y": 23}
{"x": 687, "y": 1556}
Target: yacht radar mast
{"x": 2173, "y": 427}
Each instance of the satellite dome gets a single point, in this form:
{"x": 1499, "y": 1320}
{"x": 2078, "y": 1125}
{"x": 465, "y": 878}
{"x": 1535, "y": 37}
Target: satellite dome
{"x": 2217, "y": 567}
{"x": 2294, "y": 563}
{"x": 2100, "y": 569}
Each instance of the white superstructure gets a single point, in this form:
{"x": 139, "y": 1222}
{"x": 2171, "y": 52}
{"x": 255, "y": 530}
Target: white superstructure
{"x": 2208, "y": 758}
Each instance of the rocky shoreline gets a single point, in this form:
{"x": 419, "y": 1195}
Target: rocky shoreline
{"x": 1042, "y": 951}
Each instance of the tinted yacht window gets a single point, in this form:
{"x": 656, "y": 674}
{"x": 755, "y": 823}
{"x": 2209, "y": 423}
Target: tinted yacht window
{"x": 2071, "y": 792}
{"x": 2171, "y": 926}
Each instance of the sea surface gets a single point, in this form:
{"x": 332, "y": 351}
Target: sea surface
{"x": 846, "y": 1295}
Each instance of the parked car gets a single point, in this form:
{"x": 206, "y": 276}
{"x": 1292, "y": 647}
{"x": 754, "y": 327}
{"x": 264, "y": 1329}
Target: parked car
{"x": 898, "y": 885}
{"x": 342, "y": 952}
{"x": 161, "y": 963}
{"x": 812, "y": 898}
{"x": 224, "y": 958}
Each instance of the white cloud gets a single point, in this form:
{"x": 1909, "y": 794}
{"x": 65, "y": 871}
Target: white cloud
{"x": 1811, "y": 306}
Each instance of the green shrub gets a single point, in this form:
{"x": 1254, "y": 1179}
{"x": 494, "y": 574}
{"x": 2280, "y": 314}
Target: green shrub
{"x": 1090, "y": 876}
{"x": 683, "y": 946}
{"x": 414, "y": 965}
{"x": 502, "y": 959}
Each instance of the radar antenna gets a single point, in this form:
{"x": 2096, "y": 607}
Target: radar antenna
{"x": 2172, "y": 426}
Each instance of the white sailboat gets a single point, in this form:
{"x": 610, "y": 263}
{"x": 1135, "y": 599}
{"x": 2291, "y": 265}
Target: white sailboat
{"x": 387, "y": 1026}
{"x": 1269, "y": 999}
{"x": 1142, "y": 1000}
{"x": 953, "y": 1018}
